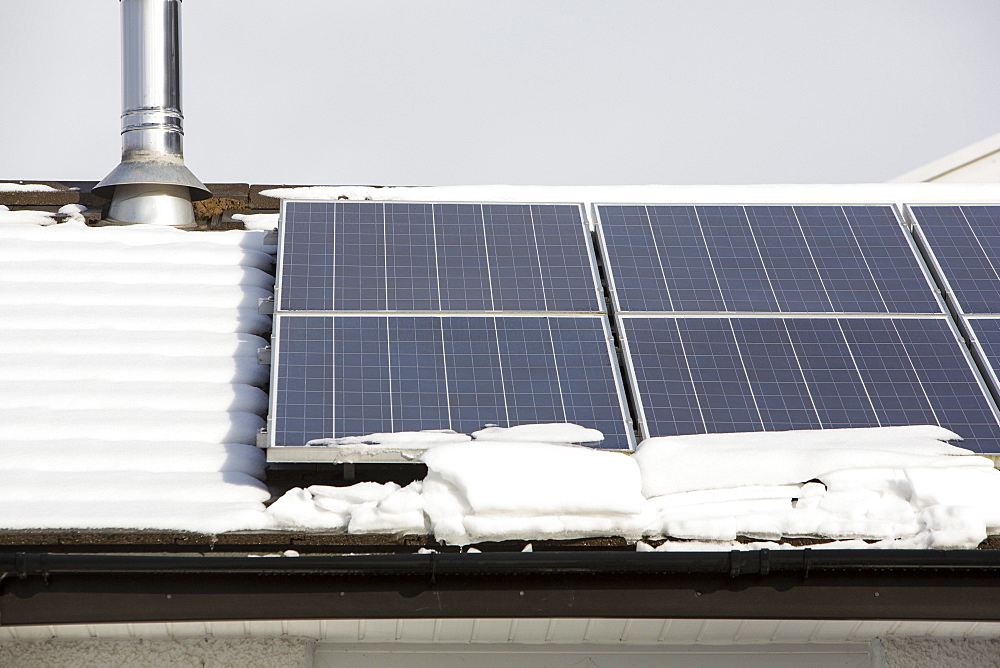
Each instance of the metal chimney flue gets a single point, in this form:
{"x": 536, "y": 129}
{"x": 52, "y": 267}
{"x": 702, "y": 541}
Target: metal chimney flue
{"x": 151, "y": 185}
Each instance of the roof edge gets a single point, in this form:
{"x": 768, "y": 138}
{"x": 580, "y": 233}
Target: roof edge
{"x": 788, "y": 584}
{"x": 952, "y": 162}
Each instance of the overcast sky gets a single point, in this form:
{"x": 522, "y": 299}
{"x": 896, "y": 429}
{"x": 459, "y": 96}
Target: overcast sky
{"x": 522, "y": 92}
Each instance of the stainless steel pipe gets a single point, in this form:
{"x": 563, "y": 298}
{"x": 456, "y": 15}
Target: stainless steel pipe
{"x": 151, "y": 185}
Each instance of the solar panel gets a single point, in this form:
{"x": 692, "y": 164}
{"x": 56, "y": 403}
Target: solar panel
{"x": 349, "y": 375}
{"x": 764, "y": 259}
{"x": 722, "y": 374}
{"x": 963, "y": 243}
{"x": 395, "y": 256}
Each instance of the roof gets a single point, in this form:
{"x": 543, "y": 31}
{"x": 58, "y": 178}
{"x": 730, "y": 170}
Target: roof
{"x": 976, "y": 163}
{"x": 135, "y": 394}
{"x": 140, "y": 397}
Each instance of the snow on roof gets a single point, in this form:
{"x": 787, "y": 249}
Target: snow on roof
{"x": 133, "y": 397}
{"x": 257, "y": 221}
{"x": 864, "y": 193}
{"x": 24, "y": 187}
{"x": 882, "y": 487}
{"x": 132, "y": 392}
{"x": 73, "y": 212}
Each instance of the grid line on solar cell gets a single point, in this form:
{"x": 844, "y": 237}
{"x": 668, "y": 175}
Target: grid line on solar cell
{"x": 717, "y": 375}
{"x": 394, "y": 256}
{"x": 964, "y": 243}
{"x": 762, "y": 259}
{"x": 349, "y": 375}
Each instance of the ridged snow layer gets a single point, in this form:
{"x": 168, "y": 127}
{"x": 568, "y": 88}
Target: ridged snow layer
{"x": 131, "y": 392}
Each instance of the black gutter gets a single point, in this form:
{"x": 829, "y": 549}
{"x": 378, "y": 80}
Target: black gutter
{"x": 38, "y": 588}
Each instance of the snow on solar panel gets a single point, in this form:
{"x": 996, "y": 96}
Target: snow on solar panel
{"x": 963, "y": 243}
{"x": 765, "y": 259}
{"x": 347, "y": 375}
{"x": 394, "y": 256}
{"x": 728, "y": 374}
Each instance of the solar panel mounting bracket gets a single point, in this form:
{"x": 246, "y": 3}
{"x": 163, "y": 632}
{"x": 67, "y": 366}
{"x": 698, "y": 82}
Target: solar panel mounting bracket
{"x": 262, "y": 438}
{"x": 264, "y": 355}
{"x": 270, "y": 238}
{"x": 265, "y": 305}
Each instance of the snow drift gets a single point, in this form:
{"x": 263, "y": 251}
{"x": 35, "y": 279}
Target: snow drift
{"x": 903, "y": 487}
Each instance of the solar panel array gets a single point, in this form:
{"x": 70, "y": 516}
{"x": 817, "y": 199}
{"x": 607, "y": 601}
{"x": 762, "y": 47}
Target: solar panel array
{"x": 403, "y": 316}
{"x": 409, "y": 316}
{"x": 762, "y": 259}
{"x": 677, "y": 272}
{"x": 361, "y": 374}
{"x": 963, "y": 243}
{"x": 394, "y": 256}
{"x": 704, "y": 375}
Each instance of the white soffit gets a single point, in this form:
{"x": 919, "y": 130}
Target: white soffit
{"x": 618, "y": 632}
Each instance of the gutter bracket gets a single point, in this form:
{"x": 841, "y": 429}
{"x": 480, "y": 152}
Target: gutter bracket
{"x": 20, "y": 566}
{"x": 27, "y": 565}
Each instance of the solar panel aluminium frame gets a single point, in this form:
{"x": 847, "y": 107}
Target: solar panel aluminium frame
{"x": 305, "y": 453}
{"x": 632, "y": 379}
{"x": 585, "y": 222}
{"x": 898, "y": 214}
{"x": 926, "y": 249}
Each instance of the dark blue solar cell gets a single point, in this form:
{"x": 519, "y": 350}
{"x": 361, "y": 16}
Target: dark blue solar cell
{"x": 663, "y": 388}
{"x": 305, "y": 402}
{"x": 716, "y": 375}
{"x": 565, "y": 254}
{"x": 787, "y": 260}
{"x": 404, "y": 373}
{"x": 514, "y": 267}
{"x": 381, "y": 256}
{"x": 766, "y": 259}
{"x": 408, "y": 260}
{"x": 417, "y": 371}
{"x": 308, "y": 248}
{"x": 774, "y": 373}
{"x": 831, "y": 374}
{"x": 725, "y": 397}
{"x": 965, "y": 242}
{"x": 841, "y": 259}
{"x": 463, "y": 273}
{"x": 736, "y": 261}
{"x": 889, "y": 263}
